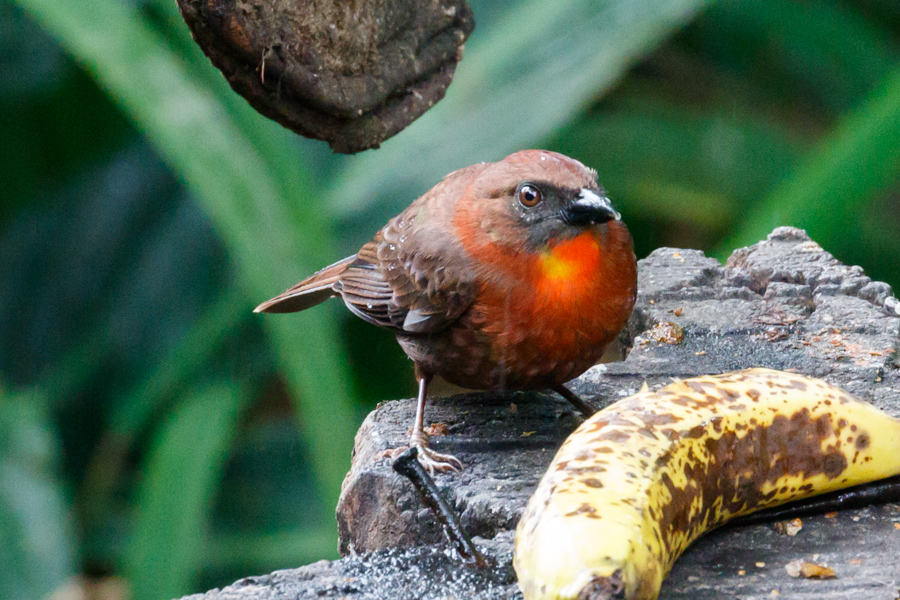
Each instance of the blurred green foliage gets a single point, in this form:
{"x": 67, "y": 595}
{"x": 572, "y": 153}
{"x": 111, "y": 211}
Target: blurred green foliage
{"x": 151, "y": 426}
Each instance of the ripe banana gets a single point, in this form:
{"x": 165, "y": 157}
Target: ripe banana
{"x": 639, "y": 481}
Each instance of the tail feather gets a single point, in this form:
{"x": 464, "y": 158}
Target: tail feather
{"x": 315, "y": 289}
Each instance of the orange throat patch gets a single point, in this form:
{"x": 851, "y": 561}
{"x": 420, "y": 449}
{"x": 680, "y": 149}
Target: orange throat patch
{"x": 566, "y": 271}
{"x": 550, "y": 314}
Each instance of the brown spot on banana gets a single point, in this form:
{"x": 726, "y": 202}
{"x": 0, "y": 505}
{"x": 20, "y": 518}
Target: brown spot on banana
{"x": 649, "y": 474}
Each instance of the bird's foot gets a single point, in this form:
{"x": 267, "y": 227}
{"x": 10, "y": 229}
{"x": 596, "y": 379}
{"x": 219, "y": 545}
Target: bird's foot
{"x": 435, "y": 462}
{"x": 431, "y": 460}
{"x": 438, "y": 462}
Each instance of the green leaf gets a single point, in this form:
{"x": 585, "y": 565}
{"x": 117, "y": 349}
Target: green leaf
{"x": 518, "y": 81}
{"x": 679, "y": 165}
{"x": 36, "y": 536}
{"x": 177, "y": 494}
{"x": 196, "y": 347}
{"x": 135, "y": 410}
{"x": 825, "y": 52}
{"x": 851, "y": 166}
{"x": 257, "y": 208}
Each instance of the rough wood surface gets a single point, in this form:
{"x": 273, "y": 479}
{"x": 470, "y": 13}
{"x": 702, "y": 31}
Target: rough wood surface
{"x": 784, "y": 303}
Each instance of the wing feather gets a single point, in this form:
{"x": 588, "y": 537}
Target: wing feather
{"x": 414, "y": 276}
{"x": 315, "y": 289}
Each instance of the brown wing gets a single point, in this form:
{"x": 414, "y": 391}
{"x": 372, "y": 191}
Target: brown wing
{"x": 406, "y": 293}
{"x": 313, "y": 290}
{"x": 414, "y": 277}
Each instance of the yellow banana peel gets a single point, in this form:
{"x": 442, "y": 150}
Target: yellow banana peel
{"x": 639, "y": 481}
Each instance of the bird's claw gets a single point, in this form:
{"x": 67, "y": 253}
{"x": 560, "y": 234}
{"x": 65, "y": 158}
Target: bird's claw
{"x": 438, "y": 462}
{"x": 434, "y": 462}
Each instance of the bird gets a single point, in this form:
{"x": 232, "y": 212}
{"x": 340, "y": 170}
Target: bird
{"x": 507, "y": 275}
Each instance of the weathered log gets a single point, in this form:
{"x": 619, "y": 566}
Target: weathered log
{"x": 783, "y": 303}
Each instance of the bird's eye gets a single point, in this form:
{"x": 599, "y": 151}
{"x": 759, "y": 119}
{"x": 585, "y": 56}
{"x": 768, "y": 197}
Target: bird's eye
{"x": 529, "y": 196}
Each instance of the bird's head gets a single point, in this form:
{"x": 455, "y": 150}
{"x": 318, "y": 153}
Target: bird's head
{"x": 534, "y": 199}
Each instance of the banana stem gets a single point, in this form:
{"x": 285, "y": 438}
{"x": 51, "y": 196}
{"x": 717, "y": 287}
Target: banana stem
{"x": 882, "y": 491}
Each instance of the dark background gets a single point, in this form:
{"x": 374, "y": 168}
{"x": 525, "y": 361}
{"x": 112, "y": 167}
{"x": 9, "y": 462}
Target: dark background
{"x": 157, "y": 436}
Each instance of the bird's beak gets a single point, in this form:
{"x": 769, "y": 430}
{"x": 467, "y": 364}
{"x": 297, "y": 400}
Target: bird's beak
{"x": 589, "y": 208}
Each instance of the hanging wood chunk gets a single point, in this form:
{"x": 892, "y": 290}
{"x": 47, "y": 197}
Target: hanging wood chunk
{"x": 350, "y": 72}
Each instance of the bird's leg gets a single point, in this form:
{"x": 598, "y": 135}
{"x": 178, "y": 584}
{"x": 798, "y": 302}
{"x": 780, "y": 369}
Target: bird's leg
{"x": 586, "y": 409}
{"x": 431, "y": 460}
